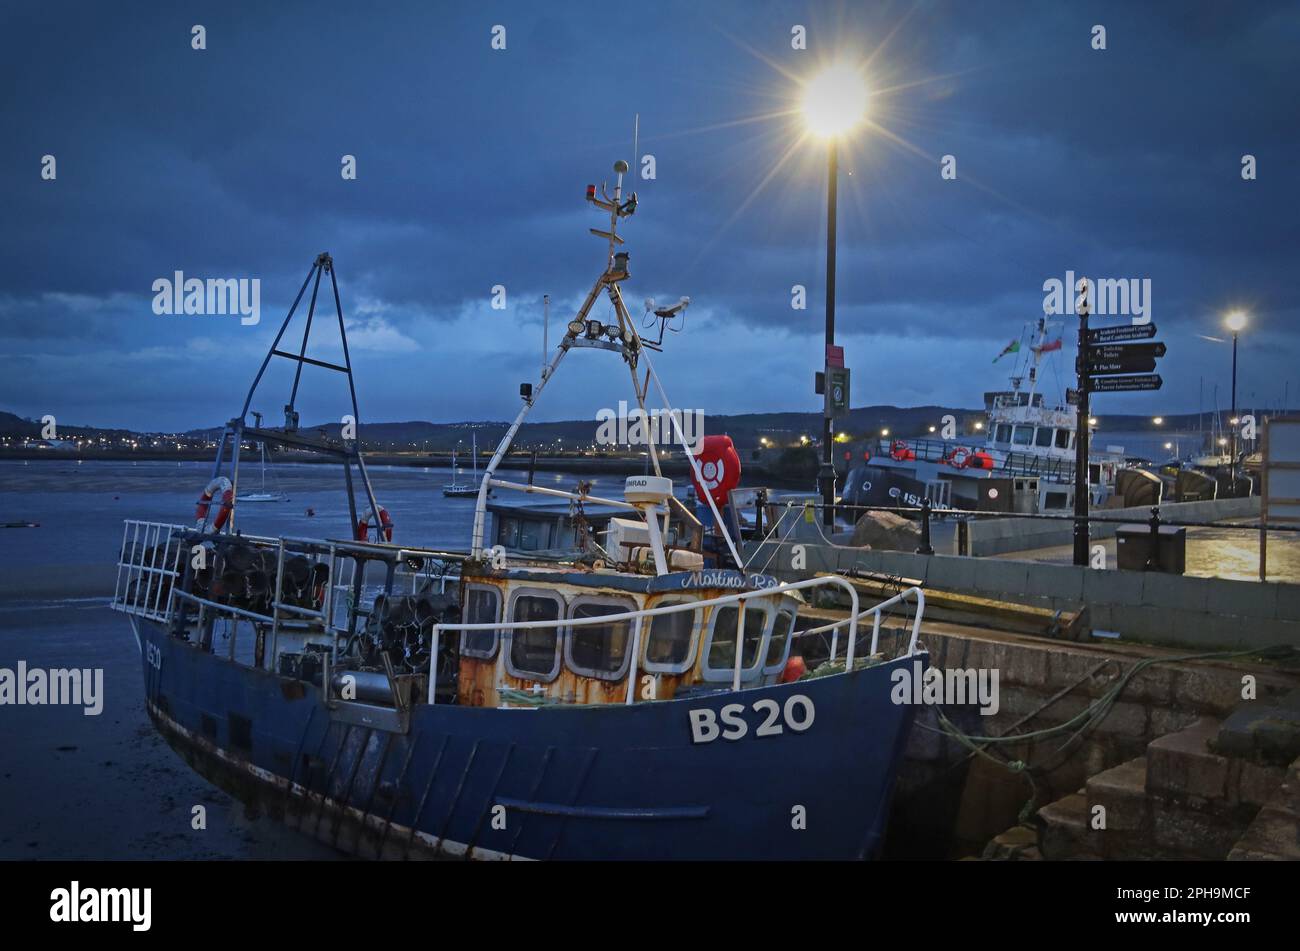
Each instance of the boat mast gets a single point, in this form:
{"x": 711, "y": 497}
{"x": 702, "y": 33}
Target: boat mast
{"x": 582, "y": 332}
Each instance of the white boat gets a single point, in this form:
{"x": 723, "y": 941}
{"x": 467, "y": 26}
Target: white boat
{"x": 1021, "y": 459}
{"x": 463, "y": 490}
{"x": 263, "y": 495}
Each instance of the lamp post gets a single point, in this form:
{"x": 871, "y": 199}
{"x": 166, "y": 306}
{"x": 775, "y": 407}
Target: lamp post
{"x": 834, "y": 102}
{"x": 1236, "y": 322}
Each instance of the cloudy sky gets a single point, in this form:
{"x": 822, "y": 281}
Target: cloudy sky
{"x": 471, "y": 164}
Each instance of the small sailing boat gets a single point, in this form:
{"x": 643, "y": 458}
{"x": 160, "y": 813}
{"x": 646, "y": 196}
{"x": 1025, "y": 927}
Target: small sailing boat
{"x": 463, "y": 490}
{"x": 263, "y": 495}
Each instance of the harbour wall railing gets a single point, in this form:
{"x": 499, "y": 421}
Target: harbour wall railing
{"x": 1146, "y": 606}
{"x": 997, "y": 536}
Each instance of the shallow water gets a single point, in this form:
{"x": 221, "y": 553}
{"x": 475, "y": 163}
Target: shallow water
{"x": 107, "y": 787}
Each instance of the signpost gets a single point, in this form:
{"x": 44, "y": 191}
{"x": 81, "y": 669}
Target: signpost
{"x": 1108, "y": 362}
{"x": 1124, "y": 332}
{"x": 1128, "y": 365}
{"x": 1126, "y": 384}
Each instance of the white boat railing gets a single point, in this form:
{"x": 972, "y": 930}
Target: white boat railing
{"x": 154, "y": 554}
{"x": 739, "y": 597}
{"x": 140, "y": 561}
{"x": 914, "y": 593}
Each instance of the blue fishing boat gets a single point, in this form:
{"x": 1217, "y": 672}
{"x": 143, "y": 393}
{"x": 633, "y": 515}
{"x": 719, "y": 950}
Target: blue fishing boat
{"x": 643, "y": 698}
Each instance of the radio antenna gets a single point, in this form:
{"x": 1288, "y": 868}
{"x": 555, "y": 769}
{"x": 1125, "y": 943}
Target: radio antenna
{"x": 636, "y": 135}
{"x": 546, "y": 328}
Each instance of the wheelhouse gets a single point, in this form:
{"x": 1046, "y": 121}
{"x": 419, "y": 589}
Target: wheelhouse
{"x": 689, "y": 649}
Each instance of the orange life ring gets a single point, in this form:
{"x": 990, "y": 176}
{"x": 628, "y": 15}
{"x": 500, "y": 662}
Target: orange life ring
{"x": 385, "y": 526}
{"x": 899, "y": 452}
{"x": 959, "y": 458}
{"x": 982, "y": 460}
{"x": 220, "y": 485}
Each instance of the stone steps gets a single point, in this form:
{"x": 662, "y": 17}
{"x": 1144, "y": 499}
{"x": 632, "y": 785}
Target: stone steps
{"x": 1274, "y": 834}
{"x": 1017, "y": 844}
{"x": 1063, "y": 831}
{"x": 1182, "y": 800}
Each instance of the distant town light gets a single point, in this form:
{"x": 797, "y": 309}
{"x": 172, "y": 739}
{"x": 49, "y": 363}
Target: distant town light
{"x": 932, "y": 429}
{"x": 1159, "y": 420}
{"x": 884, "y": 432}
{"x": 979, "y": 426}
{"x": 1092, "y": 420}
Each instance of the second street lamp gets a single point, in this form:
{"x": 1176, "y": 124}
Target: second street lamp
{"x": 1236, "y": 322}
{"x": 834, "y": 103}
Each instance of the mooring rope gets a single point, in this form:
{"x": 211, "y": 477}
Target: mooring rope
{"x": 1089, "y": 717}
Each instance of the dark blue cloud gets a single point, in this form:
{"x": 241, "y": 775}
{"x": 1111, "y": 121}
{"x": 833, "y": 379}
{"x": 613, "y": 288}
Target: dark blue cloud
{"x": 471, "y": 165}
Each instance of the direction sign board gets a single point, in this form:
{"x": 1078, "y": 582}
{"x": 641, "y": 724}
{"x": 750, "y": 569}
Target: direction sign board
{"x": 1125, "y": 384}
{"x": 1119, "y": 351}
{"x": 1122, "y": 332}
{"x": 1126, "y": 365}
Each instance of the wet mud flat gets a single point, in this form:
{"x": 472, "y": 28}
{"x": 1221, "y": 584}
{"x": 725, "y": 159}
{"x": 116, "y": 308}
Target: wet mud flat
{"x": 74, "y": 786}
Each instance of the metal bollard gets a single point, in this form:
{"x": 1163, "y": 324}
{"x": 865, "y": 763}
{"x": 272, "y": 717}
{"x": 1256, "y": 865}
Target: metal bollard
{"x": 1153, "y": 558}
{"x": 925, "y": 548}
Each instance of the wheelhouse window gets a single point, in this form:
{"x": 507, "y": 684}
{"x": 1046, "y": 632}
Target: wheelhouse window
{"x": 1023, "y": 436}
{"x": 1003, "y": 433}
{"x": 720, "y": 657}
{"x": 599, "y": 650}
{"x": 778, "y": 646}
{"x": 534, "y": 535}
{"x": 535, "y": 652}
{"x": 670, "y": 646}
{"x": 482, "y": 606}
{"x": 1063, "y": 440}
{"x": 1043, "y": 438}
{"x": 508, "y": 533}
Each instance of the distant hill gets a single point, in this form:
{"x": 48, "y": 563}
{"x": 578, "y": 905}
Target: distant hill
{"x": 746, "y": 429}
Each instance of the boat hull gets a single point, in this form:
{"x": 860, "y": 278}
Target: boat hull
{"x": 808, "y": 778}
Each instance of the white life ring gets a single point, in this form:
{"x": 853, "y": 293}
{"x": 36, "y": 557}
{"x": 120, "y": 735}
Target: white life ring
{"x": 385, "y": 525}
{"x": 712, "y": 473}
{"x": 220, "y": 485}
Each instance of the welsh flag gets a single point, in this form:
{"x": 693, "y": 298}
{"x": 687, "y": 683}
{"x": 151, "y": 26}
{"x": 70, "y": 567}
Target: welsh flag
{"x": 1012, "y": 347}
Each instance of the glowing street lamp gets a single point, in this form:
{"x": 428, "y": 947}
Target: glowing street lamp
{"x": 1236, "y": 322}
{"x": 834, "y": 102}
{"x": 1159, "y": 420}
